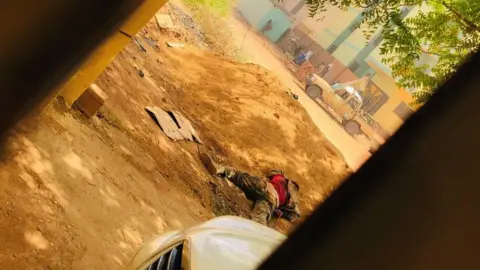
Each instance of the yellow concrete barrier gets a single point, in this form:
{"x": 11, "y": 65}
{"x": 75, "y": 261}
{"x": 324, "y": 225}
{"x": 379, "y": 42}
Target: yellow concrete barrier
{"x": 102, "y": 56}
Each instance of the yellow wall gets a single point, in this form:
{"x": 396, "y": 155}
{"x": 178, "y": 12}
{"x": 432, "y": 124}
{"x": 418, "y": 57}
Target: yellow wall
{"x": 347, "y": 51}
{"x": 386, "y": 83}
{"x": 325, "y": 38}
{"x": 385, "y": 115}
{"x": 107, "y": 51}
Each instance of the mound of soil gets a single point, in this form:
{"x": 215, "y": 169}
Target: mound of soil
{"x": 247, "y": 118}
{"x": 244, "y": 115}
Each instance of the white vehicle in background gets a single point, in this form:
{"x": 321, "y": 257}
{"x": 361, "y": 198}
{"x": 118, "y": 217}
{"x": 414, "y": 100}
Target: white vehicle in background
{"x": 221, "y": 243}
{"x": 344, "y": 102}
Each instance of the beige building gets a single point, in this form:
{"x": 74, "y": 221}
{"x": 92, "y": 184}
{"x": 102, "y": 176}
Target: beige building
{"x": 335, "y": 39}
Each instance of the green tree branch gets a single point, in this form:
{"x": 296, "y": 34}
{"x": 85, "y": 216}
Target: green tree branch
{"x": 448, "y": 32}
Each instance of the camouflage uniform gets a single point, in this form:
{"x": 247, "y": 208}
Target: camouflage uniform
{"x": 264, "y": 195}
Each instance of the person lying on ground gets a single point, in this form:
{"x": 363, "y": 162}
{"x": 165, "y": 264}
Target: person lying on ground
{"x": 275, "y": 196}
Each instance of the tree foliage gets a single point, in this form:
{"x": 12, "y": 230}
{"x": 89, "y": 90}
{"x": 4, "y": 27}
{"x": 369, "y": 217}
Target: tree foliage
{"x": 448, "y": 30}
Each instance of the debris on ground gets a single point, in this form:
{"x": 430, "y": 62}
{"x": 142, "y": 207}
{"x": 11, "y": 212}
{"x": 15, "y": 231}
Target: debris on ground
{"x": 295, "y": 96}
{"x": 185, "y": 21}
{"x": 173, "y": 124}
{"x": 141, "y": 73}
{"x": 164, "y": 20}
{"x": 139, "y": 44}
{"x": 175, "y": 44}
{"x": 151, "y": 42}
{"x": 91, "y": 100}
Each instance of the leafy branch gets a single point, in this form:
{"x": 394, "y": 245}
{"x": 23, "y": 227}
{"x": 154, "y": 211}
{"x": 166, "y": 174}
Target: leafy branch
{"x": 444, "y": 32}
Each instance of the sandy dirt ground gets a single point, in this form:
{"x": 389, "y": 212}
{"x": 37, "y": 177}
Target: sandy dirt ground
{"x": 83, "y": 193}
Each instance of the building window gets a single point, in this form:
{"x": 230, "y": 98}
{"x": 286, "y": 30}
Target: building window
{"x": 403, "y": 111}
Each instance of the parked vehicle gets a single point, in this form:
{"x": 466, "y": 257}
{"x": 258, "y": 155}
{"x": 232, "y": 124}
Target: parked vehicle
{"x": 221, "y": 243}
{"x": 344, "y": 102}
{"x": 343, "y": 99}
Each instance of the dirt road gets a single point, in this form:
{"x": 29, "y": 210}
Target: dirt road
{"x": 85, "y": 194}
{"x": 259, "y": 51}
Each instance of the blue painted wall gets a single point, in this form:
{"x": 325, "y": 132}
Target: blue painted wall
{"x": 258, "y": 12}
{"x": 280, "y": 24}
{"x": 254, "y": 10}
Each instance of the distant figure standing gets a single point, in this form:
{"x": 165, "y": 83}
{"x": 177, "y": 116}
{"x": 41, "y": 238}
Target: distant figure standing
{"x": 326, "y": 70}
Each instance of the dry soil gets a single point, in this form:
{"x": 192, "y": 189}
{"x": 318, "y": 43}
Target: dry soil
{"x": 83, "y": 193}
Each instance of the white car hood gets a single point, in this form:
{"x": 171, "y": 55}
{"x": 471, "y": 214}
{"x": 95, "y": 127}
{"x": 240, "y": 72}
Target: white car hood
{"x": 232, "y": 243}
{"x": 221, "y": 243}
